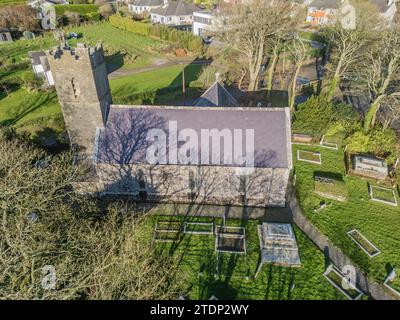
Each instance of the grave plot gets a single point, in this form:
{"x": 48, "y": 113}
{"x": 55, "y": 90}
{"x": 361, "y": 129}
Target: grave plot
{"x": 368, "y": 167}
{"x": 330, "y": 187}
{"x": 308, "y": 156}
{"x": 305, "y": 139}
{"x": 329, "y": 143}
{"x": 364, "y": 243}
{"x": 337, "y": 279}
{"x": 278, "y": 245}
{"x": 167, "y": 231}
{"x": 198, "y": 228}
{"x": 383, "y": 195}
{"x": 392, "y": 282}
{"x": 230, "y": 239}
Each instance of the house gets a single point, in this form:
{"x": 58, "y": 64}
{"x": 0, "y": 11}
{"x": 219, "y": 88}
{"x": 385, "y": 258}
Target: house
{"x": 46, "y": 12}
{"x": 203, "y": 21}
{"x": 321, "y": 12}
{"x": 174, "y": 14}
{"x": 211, "y": 153}
{"x": 5, "y": 35}
{"x": 40, "y": 66}
{"x": 140, "y": 6}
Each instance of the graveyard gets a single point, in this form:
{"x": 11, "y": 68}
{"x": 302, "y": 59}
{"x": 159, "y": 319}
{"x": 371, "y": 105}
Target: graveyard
{"x": 366, "y": 204}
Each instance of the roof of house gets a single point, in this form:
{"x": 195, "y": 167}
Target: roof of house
{"x": 216, "y": 96}
{"x": 148, "y": 3}
{"x": 326, "y": 4}
{"x": 176, "y": 8}
{"x": 35, "y": 57}
{"x": 123, "y": 139}
{"x": 4, "y": 30}
{"x": 382, "y": 5}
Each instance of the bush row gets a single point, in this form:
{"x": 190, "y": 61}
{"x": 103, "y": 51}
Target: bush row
{"x": 185, "y": 39}
{"x": 82, "y": 9}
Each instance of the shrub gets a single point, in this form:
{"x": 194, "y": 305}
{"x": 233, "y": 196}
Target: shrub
{"x": 81, "y": 9}
{"x": 379, "y": 142}
{"x": 317, "y": 114}
{"x": 185, "y": 39}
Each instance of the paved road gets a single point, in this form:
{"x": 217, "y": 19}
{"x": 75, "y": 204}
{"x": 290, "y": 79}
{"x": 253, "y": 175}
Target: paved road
{"x": 156, "y": 64}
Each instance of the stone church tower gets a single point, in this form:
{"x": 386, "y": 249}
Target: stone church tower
{"x": 81, "y": 81}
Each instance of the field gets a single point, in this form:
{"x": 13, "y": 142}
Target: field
{"x": 162, "y": 86}
{"x": 138, "y": 50}
{"x": 231, "y": 276}
{"x": 378, "y": 222}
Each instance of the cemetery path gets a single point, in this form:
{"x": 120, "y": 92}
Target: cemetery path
{"x": 333, "y": 253}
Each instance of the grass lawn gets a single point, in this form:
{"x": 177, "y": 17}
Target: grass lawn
{"x": 378, "y": 222}
{"x": 161, "y": 86}
{"x": 141, "y": 49}
{"x": 231, "y": 276}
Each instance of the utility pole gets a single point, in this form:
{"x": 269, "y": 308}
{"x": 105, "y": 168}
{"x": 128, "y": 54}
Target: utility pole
{"x": 183, "y": 84}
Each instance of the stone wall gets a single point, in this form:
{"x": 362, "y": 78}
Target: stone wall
{"x": 80, "y": 77}
{"x": 198, "y": 184}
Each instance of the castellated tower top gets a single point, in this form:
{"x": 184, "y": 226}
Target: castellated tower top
{"x": 82, "y": 86}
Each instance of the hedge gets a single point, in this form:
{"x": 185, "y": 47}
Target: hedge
{"x": 185, "y": 39}
{"x": 82, "y": 9}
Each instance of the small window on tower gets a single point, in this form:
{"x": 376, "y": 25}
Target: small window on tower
{"x": 75, "y": 88}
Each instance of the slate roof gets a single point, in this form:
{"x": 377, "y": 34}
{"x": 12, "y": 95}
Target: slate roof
{"x": 35, "y": 57}
{"x": 123, "y": 140}
{"x": 216, "y": 96}
{"x": 4, "y": 30}
{"x": 382, "y": 5}
{"x": 176, "y": 8}
{"x": 147, "y": 3}
{"x": 326, "y": 4}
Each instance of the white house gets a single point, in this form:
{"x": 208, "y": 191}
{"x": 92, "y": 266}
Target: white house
{"x": 321, "y": 12}
{"x": 175, "y": 13}
{"x": 41, "y": 67}
{"x": 46, "y": 12}
{"x": 140, "y": 6}
{"x": 203, "y": 21}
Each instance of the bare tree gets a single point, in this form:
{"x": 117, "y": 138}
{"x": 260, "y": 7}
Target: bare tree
{"x": 56, "y": 244}
{"x": 19, "y": 17}
{"x": 347, "y": 45}
{"x": 249, "y": 28}
{"x": 380, "y": 72}
{"x": 298, "y": 55}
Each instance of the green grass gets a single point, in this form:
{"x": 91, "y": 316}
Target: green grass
{"x": 11, "y": 2}
{"x": 117, "y": 42}
{"x": 231, "y": 276}
{"x": 161, "y": 86}
{"x": 378, "y": 222}
{"x": 330, "y": 187}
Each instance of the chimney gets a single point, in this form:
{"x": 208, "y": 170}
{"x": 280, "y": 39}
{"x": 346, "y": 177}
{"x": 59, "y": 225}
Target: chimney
{"x": 217, "y": 77}
{"x": 390, "y": 2}
{"x": 165, "y": 2}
